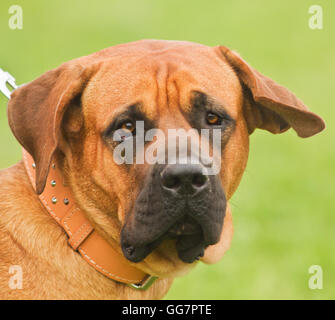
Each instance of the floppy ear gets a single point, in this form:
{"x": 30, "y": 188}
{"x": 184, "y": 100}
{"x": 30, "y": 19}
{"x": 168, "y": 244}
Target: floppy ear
{"x": 270, "y": 106}
{"x": 35, "y": 113}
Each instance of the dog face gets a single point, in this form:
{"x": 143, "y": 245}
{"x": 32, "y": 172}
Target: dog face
{"x": 169, "y": 201}
{"x": 159, "y": 211}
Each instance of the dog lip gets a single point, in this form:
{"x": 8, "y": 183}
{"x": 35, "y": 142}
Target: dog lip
{"x": 191, "y": 239}
{"x": 136, "y": 253}
{"x": 184, "y": 228}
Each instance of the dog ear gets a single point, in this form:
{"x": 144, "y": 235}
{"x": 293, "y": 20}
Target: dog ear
{"x": 270, "y": 106}
{"x": 35, "y": 113}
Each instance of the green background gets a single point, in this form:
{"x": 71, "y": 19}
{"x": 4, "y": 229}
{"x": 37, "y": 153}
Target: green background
{"x": 284, "y": 208}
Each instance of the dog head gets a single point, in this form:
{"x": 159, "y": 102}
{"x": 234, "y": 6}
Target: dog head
{"x": 165, "y": 212}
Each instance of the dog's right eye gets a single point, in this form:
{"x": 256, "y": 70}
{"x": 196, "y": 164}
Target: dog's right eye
{"x": 120, "y": 130}
{"x": 125, "y": 129}
{"x": 128, "y": 126}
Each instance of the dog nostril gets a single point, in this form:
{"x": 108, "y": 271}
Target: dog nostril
{"x": 171, "y": 181}
{"x": 198, "y": 180}
{"x": 183, "y": 179}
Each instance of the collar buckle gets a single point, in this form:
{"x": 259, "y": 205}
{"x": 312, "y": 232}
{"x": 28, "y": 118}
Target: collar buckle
{"x": 145, "y": 284}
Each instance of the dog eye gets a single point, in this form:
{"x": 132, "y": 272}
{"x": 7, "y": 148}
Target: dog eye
{"x": 128, "y": 126}
{"x": 213, "y": 119}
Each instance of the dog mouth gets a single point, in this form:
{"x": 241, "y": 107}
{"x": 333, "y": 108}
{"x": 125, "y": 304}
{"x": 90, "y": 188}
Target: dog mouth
{"x": 189, "y": 240}
{"x": 191, "y": 216}
{"x": 190, "y": 243}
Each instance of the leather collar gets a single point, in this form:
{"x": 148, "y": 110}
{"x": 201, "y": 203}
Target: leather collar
{"x": 82, "y": 237}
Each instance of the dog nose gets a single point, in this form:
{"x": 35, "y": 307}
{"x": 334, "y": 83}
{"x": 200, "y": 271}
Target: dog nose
{"x": 184, "y": 179}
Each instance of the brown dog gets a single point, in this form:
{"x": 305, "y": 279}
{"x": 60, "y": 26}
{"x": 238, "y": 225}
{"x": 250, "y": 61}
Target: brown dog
{"x": 159, "y": 218}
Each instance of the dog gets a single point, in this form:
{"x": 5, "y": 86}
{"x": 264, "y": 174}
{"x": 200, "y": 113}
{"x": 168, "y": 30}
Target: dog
{"x": 138, "y": 221}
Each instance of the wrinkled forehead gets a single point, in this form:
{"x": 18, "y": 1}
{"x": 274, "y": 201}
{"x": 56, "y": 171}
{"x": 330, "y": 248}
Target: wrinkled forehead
{"x": 160, "y": 82}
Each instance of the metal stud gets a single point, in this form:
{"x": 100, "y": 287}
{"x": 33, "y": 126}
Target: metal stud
{"x": 53, "y": 166}
{"x": 54, "y": 200}
{"x": 66, "y": 201}
{"x": 34, "y": 166}
{"x": 53, "y": 183}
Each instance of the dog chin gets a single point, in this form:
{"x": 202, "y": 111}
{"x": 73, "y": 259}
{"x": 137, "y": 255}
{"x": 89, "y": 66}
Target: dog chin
{"x": 189, "y": 249}
{"x": 189, "y": 238}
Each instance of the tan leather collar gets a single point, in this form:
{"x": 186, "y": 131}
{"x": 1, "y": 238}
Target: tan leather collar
{"x": 60, "y": 204}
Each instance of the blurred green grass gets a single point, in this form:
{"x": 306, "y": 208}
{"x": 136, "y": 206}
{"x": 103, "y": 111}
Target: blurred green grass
{"x": 284, "y": 208}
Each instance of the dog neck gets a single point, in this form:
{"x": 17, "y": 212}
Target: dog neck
{"x": 58, "y": 201}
